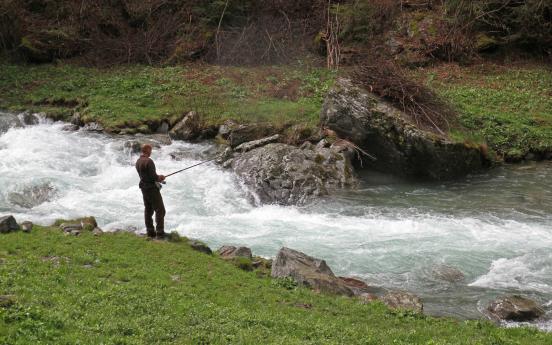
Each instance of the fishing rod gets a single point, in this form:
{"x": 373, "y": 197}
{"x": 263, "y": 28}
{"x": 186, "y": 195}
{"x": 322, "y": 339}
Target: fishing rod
{"x": 159, "y": 184}
{"x": 192, "y": 166}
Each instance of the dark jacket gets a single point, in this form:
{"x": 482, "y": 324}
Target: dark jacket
{"x": 146, "y": 170}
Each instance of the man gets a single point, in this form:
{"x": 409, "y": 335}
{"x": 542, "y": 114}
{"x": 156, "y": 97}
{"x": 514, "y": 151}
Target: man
{"x": 153, "y": 202}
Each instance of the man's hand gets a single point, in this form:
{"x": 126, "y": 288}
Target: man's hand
{"x": 161, "y": 178}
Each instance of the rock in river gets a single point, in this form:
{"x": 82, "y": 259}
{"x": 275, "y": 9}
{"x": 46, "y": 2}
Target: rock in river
{"x": 287, "y": 175}
{"x": 32, "y": 196}
{"x": 400, "y": 146}
{"x": 7, "y": 121}
{"x": 308, "y": 271}
{"x": 515, "y": 308}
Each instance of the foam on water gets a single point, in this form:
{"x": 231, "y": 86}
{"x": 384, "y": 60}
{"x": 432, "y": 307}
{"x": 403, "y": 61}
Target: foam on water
{"x": 389, "y": 233}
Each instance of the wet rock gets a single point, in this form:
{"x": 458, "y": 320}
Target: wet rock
{"x": 155, "y": 140}
{"x": 287, "y": 175}
{"x": 189, "y": 128}
{"x": 93, "y": 127}
{"x": 29, "y": 119}
{"x": 230, "y": 252}
{"x": 400, "y": 147}
{"x": 26, "y": 226}
{"x": 8, "y": 224}
{"x": 32, "y": 196}
{"x": 448, "y": 273}
{"x": 308, "y": 271}
{"x": 250, "y": 145}
{"x": 200, "y": 246}
{"x": 70, "y": 128}
{"x": 403, "y": 300}
{"x": 515, "y": 308}
{"x": 7, "y": 121}
{"x": 236, "y": 134}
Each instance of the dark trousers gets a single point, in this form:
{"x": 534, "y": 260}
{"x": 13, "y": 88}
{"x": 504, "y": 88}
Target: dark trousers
{"x": 153, "y": 202}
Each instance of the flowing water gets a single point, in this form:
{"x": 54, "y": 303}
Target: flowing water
{"x": 495, "y": 227}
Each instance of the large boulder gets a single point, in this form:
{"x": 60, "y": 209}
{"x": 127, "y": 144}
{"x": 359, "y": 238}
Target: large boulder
{"x": 189, "y": 128}
{"x": 7, "y": 121}
{"x": 8, "y": 224}
{"x": 515, "y": 308}
{"x": 32, "y": 196}
{"x": 286, "y": 175}
{"x": 399, "y": 146}
{"x": 308, "y": 271}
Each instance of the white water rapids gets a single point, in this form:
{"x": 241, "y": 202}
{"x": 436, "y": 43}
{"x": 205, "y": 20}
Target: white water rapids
{"x": 496, "y": 227}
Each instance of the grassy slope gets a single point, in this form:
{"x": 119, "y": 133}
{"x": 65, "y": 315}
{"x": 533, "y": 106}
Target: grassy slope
{"x": 509, "y": 107}
{"x": 126, "y": 96}
{"x": 121, "y": 289}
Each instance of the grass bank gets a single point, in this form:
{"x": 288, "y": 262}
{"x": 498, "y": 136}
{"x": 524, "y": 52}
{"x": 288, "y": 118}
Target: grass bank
{"x": 508, "y": 107}
{"x": 122, "y": 289}
{"x": 130, "y": 95}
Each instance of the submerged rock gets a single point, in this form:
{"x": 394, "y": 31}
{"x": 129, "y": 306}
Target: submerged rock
{"x": 7, "y": 121}
{"x": 403, "y": 300}
{"x": 231, "y": 252}
{"x": 32, "y": 196}
{"x": 8, "y": 224}
{"x": 286, "y": 175}
{"x": 308, "y": 271}
{"x": 515, "y": 308}
{"x": 400, "y": 147}
{"x": 93, "y": 127}
{"x": 155, "y": 140}
{"x": 448, "y": 273}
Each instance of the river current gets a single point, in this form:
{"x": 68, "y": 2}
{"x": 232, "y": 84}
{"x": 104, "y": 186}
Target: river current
{"x": 495, "y": 227}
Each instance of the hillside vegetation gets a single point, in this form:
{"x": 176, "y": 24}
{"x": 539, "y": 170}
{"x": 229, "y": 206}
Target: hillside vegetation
{"x": 97, "y": 290}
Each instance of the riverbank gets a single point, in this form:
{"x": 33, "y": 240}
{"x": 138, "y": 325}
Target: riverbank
{"x": 509, "y": 108}
{"x": 70, "y": 288}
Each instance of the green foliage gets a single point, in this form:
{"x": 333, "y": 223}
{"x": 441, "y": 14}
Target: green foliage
{"x": 522, "y": 22}
{"x": 121, "y": 289}
{"x": 509, "y": 108}
{"x": 133, "y": 95}
{"x": 364, "y": 20}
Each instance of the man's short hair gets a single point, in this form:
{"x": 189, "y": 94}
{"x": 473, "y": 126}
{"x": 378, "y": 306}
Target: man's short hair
{"x": 146, "y": 148}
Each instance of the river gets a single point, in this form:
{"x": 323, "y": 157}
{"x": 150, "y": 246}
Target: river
{"x": 495, "y": 227}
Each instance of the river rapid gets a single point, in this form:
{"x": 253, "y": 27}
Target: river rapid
{"x": 494, "y": 227}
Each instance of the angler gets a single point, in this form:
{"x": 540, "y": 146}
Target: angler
{"x": 153, "y": 202}
{"x": 150, "y": 184}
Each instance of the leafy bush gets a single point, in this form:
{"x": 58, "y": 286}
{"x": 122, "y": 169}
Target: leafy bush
{"x": 526, "y": 23}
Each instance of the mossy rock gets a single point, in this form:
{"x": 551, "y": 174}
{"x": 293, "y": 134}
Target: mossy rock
{"x": 245, "y": 264}
{"x": 47, "y": 45}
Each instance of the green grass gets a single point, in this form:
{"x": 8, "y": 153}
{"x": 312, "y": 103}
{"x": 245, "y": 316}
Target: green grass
{"x": 508, "y": 107}
{"x": 132, "y": 95}
{"x": 122, "y": 289}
